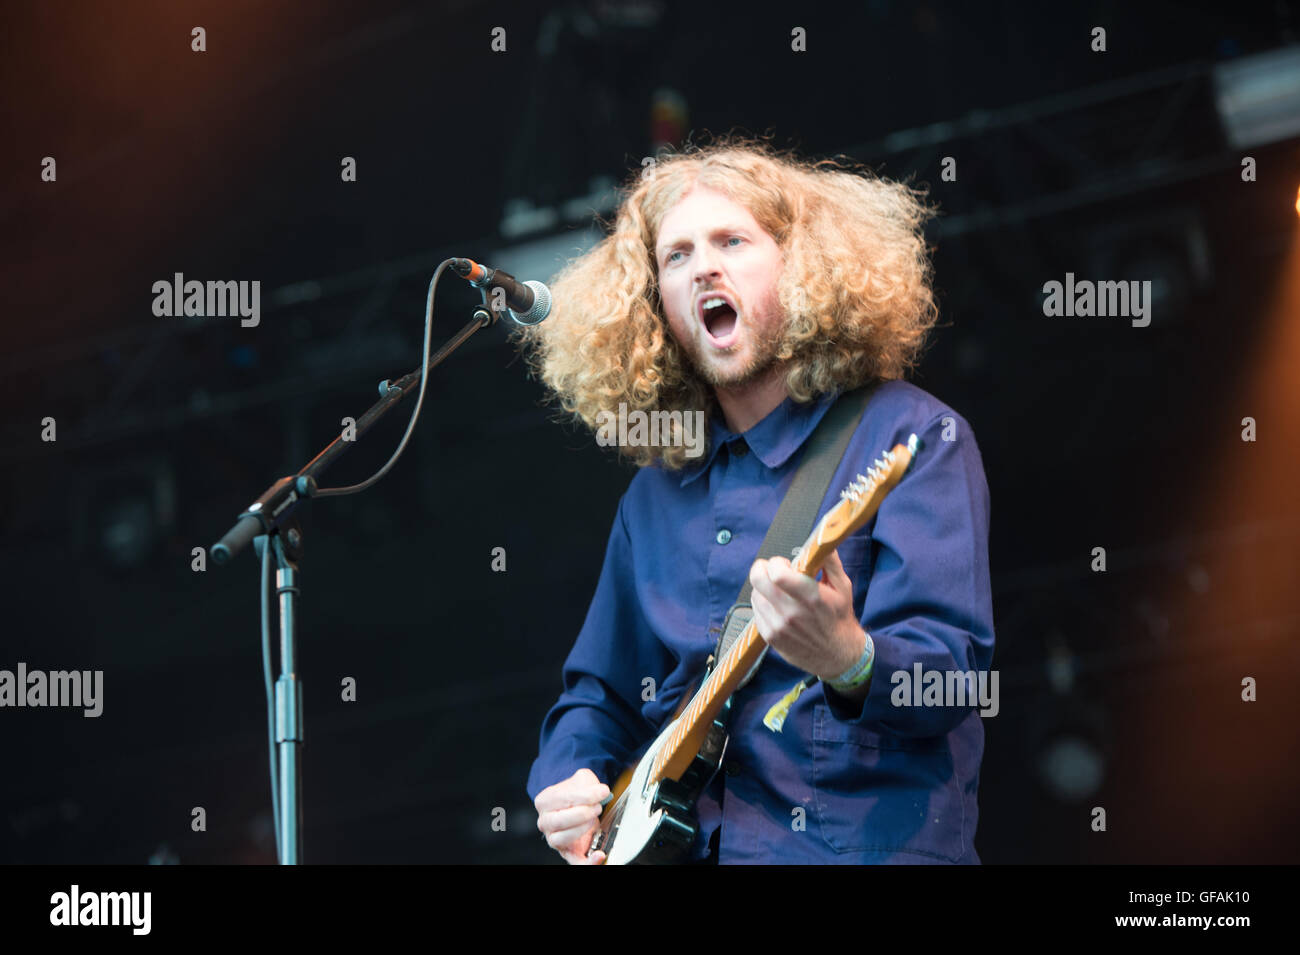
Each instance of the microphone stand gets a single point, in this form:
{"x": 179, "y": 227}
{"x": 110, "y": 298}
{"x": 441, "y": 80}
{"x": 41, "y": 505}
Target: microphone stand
{"x": 270, "y": 521}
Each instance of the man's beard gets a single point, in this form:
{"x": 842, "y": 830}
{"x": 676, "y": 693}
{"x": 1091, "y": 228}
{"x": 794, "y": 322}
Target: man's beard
{"x": 759, "y": 363}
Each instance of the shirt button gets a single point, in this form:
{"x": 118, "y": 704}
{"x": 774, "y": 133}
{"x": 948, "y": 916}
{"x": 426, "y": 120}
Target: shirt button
{"x": 724, "y": 536}
{"x": 731, "y": 768}
{"x": 739, "y": 448}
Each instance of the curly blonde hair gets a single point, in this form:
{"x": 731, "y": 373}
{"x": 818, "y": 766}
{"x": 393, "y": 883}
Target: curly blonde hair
{"x": 855, "y": 289}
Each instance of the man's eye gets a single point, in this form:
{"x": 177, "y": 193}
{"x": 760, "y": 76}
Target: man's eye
{"x": 737, "y": 238}
{"x": 671, "y": 254}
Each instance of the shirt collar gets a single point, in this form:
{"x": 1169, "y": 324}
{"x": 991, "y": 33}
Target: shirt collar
{"x": 773, "y": 440}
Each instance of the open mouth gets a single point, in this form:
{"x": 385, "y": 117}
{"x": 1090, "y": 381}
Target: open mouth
{"x": 720, "y": 320}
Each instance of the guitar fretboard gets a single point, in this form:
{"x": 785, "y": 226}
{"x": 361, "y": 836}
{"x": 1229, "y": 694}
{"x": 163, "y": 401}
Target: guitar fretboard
{"x": 740, "y": 657}
{"x": 858, "y": 503}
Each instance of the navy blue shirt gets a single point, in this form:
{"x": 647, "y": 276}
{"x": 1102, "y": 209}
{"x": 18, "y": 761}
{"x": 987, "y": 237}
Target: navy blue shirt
{"x": 843, "y": 782}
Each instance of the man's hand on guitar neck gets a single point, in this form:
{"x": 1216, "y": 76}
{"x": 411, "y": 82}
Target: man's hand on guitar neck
{"x": 567, "y": 814}
{"x": 809, "y": 622}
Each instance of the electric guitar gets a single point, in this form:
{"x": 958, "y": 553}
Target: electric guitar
{"x": 650, "y": 815}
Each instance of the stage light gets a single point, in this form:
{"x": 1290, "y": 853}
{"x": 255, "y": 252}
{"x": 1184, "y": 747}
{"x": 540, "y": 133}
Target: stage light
{"x": 1070, "y": 742}
{"x": 1072, "y": 767}
{"x": 123, "y": 511}
{"x": 1259, "y": 97}
{"x": 127, "y": 532}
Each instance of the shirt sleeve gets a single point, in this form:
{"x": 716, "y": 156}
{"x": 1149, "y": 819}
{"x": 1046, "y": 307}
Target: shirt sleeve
{"x": 597, "y": 722}
{"x": 928, "y": 598}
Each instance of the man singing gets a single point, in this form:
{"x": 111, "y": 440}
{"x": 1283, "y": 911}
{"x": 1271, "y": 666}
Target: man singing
{"x": 758, "y": 288}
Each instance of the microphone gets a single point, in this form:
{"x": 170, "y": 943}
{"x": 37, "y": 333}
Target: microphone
{"x": 527, "y": 302}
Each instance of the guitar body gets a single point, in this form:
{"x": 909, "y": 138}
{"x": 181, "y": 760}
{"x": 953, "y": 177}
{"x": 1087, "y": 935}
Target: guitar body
{"x": 654, "y": 824}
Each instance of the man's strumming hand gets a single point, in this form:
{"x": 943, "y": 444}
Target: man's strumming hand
{"x": 568, "y": 814}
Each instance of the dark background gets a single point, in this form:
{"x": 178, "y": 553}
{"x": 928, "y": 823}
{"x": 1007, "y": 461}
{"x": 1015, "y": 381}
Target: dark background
{"x": 1119, "y": 689}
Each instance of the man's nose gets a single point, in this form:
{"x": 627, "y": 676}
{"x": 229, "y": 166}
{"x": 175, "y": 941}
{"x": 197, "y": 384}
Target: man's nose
{"x": 706, "y": 266}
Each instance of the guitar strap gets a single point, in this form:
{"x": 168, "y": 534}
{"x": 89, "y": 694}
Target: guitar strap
{"x": 797, "y": 515}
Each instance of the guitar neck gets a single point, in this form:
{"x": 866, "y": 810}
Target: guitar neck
{"x": 858, "y": 504}
{"x": 676, "y": 754}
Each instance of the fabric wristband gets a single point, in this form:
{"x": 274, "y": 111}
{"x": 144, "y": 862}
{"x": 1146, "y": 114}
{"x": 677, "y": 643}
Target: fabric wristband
{"x": 859, "y": 673}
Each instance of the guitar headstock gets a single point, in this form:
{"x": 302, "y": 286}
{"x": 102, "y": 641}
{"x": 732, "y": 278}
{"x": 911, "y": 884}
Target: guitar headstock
{"x": 859, "y": 501}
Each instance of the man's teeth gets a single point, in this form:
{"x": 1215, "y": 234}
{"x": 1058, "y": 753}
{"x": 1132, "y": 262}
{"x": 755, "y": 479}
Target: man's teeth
{"x": 709, "y": 303}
